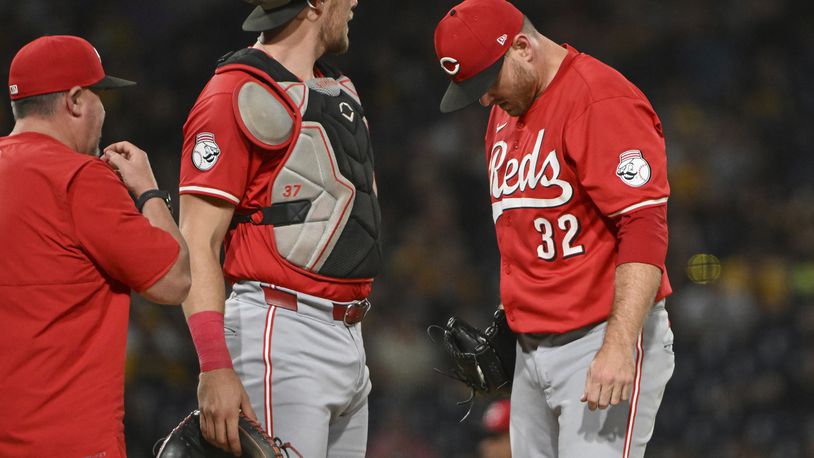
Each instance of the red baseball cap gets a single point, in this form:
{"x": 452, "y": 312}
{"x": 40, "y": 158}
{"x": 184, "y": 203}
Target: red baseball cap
{"x": 496, "y": 417}
{"x": 57, "y": 63}
{"x": 470, "y": 42}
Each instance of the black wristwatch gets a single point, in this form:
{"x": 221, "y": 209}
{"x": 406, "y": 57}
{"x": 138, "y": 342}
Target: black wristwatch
{"x": 147, "y": 195}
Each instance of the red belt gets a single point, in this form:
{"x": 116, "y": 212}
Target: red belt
{"x": 350, "y": 313}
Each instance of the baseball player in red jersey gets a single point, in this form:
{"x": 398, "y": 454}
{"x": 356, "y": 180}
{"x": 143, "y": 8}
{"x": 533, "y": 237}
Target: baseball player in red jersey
{"x": 277, "y": 167}
{"x": 578, "y": 181}
{"x": 72, "y": 246}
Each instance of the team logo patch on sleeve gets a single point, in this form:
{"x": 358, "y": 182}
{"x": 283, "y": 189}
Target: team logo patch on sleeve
{"x": 206, "y": 152}
{"x": 633, "y": 169}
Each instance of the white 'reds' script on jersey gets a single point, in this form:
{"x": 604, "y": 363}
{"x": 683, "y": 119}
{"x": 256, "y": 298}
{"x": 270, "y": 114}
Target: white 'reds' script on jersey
{"x": 527, "y": 175}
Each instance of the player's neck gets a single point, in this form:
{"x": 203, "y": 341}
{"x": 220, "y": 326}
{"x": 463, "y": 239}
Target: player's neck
{"x": 551, "y": 57}
{"x": 297, "y": 49}
{"x": 48, "y": 127}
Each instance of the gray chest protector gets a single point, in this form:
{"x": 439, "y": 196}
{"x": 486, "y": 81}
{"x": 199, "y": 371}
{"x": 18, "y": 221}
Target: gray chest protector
{"x": 324, "y": 214}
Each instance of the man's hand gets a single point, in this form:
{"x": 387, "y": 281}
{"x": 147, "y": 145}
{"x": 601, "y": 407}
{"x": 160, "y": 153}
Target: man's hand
{"x": 132, "y": 165}
{"x": 221, "y": 397}
{"x": 610, "y": 376}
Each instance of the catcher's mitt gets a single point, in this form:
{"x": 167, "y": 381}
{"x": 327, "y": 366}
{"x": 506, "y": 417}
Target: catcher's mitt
{"x": 483, "y": 360}
{"x": 186, "y": 441}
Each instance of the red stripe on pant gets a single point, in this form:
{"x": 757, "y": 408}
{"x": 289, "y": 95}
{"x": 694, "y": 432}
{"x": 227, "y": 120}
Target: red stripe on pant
{"x": 634, "y": 398}
{"x": 267, "y": 378}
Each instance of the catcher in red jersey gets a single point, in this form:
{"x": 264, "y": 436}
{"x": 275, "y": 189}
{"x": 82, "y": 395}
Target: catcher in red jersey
{"x": 578, "y": 180}
{"x": 277, "y": 168}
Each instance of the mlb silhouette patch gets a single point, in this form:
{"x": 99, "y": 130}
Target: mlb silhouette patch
{"x": 633, "y": 169}
{"x": 206, "y": 152}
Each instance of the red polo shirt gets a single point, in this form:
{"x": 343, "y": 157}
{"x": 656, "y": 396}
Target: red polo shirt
{"x": 72, "y": 245}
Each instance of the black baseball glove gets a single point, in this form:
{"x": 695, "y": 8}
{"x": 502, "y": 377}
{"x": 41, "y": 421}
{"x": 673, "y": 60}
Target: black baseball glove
{"x": 483, "y": 360}
{"x": 186, "y": 441}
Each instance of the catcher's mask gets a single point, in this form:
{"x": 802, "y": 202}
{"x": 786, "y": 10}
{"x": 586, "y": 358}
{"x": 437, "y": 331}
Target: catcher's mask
{"x": 271, "y": 14}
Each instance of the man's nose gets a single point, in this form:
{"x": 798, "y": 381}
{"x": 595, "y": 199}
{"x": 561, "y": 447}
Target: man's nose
{"x": 486, "y": 99}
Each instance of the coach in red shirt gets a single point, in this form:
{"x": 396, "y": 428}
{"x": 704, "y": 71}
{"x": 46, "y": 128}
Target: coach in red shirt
{"x": 73, "y": 246}
{"x": 578, "y": 181}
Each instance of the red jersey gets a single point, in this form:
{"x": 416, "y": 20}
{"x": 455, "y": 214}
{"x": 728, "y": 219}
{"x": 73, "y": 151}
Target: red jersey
{"x": 73, "y": 246}
{"x": 589, "y": 149}
{"x": 239, "y": 172}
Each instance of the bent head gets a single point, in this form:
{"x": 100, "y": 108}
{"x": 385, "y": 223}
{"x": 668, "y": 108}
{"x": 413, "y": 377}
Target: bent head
{"x": 516, "y": 85}
{"x": 64, "y": 98}
{"x": 486, "y": 47}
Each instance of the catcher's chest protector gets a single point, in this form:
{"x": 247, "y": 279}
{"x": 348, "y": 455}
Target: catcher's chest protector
{"x": 325, "y": 212}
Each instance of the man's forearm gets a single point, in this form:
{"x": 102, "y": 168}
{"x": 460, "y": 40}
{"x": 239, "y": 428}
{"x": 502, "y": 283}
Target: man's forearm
{"x": 204, "y": 310}
{"x": 636, "y": 285}
{"x": 207, "y": 292}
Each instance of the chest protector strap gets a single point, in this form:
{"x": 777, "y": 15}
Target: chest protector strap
{"x": 279, "y": 214}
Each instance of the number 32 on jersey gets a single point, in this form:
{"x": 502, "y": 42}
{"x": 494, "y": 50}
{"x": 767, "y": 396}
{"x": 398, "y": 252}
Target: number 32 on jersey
{"x": 567, "y": 228}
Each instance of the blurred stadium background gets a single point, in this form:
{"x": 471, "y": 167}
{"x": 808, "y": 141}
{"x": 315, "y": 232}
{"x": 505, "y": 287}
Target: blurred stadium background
{"x": 731, "y": 81}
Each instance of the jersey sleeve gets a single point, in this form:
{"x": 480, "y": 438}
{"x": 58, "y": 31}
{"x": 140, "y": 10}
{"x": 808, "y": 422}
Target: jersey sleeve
{"x": 617, "y": 146}
{"x": 215, "y": 155}
{"x": 113, "y": 233}
{"x": 642, "y": 236}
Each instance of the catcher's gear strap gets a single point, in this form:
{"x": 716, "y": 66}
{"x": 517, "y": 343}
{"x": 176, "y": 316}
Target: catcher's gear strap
{"x": 279, "y": 214}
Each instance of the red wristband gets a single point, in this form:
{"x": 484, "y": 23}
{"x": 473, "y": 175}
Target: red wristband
{"x": 207, "y": 335}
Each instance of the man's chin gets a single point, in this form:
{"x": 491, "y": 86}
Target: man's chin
{"x": 512, "y": 111}
{"x": 339, "y": 48}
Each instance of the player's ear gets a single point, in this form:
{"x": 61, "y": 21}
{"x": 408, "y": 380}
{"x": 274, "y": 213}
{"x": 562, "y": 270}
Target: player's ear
{"x": 315, "y": 7}
{"x": 74, "y": 101}
{"x": 521, "y": 45}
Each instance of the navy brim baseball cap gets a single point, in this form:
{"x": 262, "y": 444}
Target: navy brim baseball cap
{"x": 261, "y": 20}
{"x": 461, "y": 95}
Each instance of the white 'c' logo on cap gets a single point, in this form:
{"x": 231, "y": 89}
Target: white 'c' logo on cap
{"x": 455, "y": 68}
